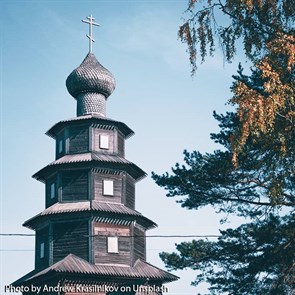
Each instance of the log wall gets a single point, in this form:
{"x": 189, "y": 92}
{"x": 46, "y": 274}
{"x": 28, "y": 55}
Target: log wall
{"x": 74, "y": 186}
{"x": 42, "y": 236}
{"x": 78, "y": 139}
{"x": 101, "y": 255}
{"x": 70, "y": 237}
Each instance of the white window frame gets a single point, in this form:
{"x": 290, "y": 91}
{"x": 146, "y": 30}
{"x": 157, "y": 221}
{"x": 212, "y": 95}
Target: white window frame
{"x": 42, "y": 250}
{"x": 52, "y": 191}
{"x": 113, "y": 245}
{"x": 104, "y": 142}
{"x": 108, "y": 187}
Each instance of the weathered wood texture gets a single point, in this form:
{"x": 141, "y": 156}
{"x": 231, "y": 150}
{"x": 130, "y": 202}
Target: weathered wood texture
{"x": 121, "y": 145}
{"x": 129, "y": 192}
{"x": 74, "y": 186}
{"x": 49, "y": 200}
{"x": 60, "y": 144}
{"x": 101, "y": 255}
{"x": 110, "y": 133}
{"x": 139, "y": 244}
{"x": 42, "y": 236}
{"x": 70, "y": 237}
{"x": 79, "y": 139}
{"x": 98, "y": 187}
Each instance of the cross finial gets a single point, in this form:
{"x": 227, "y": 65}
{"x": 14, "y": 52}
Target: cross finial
{"x": 89, "y": 21}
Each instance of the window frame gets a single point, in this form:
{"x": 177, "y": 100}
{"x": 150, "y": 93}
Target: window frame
{"x": 112, "y": 245}
{"x": 52, "y": 191}
{"x": 42, "y": 250}
{"x": 106, "y": 189}
{"x": 60, "y": 146}
{"x": 104, "y": 143}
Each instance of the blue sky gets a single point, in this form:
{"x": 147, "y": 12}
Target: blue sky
{"x": 41, "y": 43}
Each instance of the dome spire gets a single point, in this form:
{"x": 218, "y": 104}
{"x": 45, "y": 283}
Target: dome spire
{"x": 89, "y": 21}
{"x": 90, "y": 83}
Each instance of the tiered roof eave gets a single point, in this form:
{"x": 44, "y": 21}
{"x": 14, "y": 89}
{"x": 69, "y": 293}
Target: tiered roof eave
{"x": 94, "y": 119}
{"x": 91, "y": 160}
{"x": 99, "y": 211}
{"x": 81, "y": 271}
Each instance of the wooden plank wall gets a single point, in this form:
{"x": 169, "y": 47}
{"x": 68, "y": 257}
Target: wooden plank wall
{"x": 139, "y": 244}
{"x": 60, "y": 136}
{"x": 74, "y": 186}
{"x": 121, "y": 145}
{"x": 129, "y": 191}
{"x": 70, "y": 237}
{"x": 42, "y": 236}
{"x": 49, "y": 201}
{"x": 98, "y": 187}
{"x": 78, "y": 139}
{"x": 110, "y": 133}
{"x": 101, "y": 232}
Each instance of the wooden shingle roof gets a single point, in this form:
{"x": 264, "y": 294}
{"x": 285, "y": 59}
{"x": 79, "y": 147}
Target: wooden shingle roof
{"x": 94, "y": 160}
{"x": 72, "y": 264}
{"x": 90, "y": 76}
{"x": 103, "y": 122}
{"x": 105, "y": 212}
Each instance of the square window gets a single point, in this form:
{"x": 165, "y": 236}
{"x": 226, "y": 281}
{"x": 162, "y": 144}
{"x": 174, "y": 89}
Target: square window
{"x": 108, "y": 187}
{"x": 42, "y": 248}
{"x": 52, "y": 190}
{"x": 113, "y": 245}
{"x": 104, "y": 142}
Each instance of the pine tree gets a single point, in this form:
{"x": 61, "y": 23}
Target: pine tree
{"x": 253, "y": 176}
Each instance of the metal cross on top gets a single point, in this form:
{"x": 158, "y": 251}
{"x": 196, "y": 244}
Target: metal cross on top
{"x": 89, "y": 21}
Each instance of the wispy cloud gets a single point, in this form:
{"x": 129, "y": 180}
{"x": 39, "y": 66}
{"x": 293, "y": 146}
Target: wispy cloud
{"x": 154, "y": 34}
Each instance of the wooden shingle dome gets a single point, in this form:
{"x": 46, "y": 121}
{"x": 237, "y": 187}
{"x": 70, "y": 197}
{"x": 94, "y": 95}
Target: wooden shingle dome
{"x": 91, "y": 84}
{"x": 90, "y": 76}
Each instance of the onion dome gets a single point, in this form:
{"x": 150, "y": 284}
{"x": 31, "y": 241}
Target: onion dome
{"x": 91, "y": 84}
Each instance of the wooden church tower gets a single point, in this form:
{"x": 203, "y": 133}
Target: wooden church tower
{"x": 90, "y": 239}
